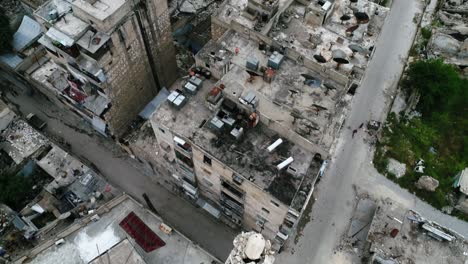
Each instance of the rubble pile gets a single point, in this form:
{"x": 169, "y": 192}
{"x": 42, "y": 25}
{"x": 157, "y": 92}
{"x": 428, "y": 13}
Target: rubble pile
{"x": 450, "y": 39}
{"x": 396, "y": 167}
{"x": 249, "y": 248}
{"x": 23, "y": 139}
{"x": 5, "y": 218}
{"x": 399, "y": 235}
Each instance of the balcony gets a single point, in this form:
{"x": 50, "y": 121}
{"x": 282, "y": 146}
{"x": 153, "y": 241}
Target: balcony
{"x": 183, "y": 147}
{"x": 90, "y": 68}
{"x": 233, "y": 191}
{"x": 233, "y": 205}
{"x": 183, "y": 159}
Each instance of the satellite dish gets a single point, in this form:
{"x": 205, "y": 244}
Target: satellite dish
{"x": 361, "y": 17}
{"x": 339, "y": 56}
{"x": 353, "y": 1}
{"x": 312, "y": 82}
{"x": 345, "y": 18}
{"x": 319, "y": 58}
{"x": 356, "y": 48}
{"x": 64, "y": 216}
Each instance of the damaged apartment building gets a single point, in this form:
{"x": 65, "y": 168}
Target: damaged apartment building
{"x": 108, "y": 58}
{"x": 247, "y": 135}
{"x": 59, "y": 187}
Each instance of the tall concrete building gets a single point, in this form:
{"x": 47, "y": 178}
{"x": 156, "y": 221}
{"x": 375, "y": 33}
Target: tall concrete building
{"x": 249, "y": 145}
{"x": 109, "y": 58}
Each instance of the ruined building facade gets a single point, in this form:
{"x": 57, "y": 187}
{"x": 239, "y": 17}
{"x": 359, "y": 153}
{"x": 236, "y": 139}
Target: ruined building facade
{"x": 253, "y": 142}
{"x": 109, "y": 58}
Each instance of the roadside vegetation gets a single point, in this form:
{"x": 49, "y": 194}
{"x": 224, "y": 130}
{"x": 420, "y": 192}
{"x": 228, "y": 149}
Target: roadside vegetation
{"x": 16, "y": 189}
{"x": 436, "y": 132}
{"x": 6, "y": 34}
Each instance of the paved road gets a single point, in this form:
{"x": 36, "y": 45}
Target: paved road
{"x": 123, "y": 172}
{"x": 350, "y": 168}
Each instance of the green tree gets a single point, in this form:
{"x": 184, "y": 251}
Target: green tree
{"x": 440, "y": 86}
{"x": 6, "y": 34}
{"x": 14, "y": 189}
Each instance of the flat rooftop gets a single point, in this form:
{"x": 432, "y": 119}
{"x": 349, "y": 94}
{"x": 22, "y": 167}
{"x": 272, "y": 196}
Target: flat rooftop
{"x": 69, "y": 171}
{"x": 103, "y": 240}
{"x": 411, "y": 242}
{"x": 54, "y": 78}
{"x": 71, "y": 26}
{"x": 51, "y": 76}
{"x": 61, "y": 6}
{"x": 101, "y": 9}
{"x": 234, "y": 10}
{"x": 20, "y": 140}
{"x": 248, "y": 155}
{"x": 316, "y": 101}
{"x": 292, "y": 31}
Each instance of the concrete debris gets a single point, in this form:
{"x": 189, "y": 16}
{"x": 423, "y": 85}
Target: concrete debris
{"x": 446, "y": 44}
{"x": 447, "y": 209}
{"x": 399, "y": 235}
{"x": 396, "y": 168}
{"x": 251, "y": 247}
{"x": 450, "y": 40}
{"x": 427, "y": 183}
{"x": 192, "y": 6}
{"x": 20, "y": 140}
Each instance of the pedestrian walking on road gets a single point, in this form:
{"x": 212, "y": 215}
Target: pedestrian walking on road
{"x": 354, "y": 132}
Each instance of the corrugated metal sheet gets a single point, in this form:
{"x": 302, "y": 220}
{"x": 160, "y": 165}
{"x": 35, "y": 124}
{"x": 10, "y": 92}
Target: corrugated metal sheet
{"x": 209, "y": 208}
{"x": 462, "y": 181}
{"x": 154, "y": 104}
{"x": 11, "y": 60}
{"x": 45, "y": 41}
{"x": 99, "y": 125}
{"x": 28, "y": 32}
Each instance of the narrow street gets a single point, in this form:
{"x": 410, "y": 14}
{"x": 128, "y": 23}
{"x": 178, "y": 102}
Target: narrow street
{"x": 123, "y": 172}
{"x": 349, "y": 173}
{"x": 351, "y": 170}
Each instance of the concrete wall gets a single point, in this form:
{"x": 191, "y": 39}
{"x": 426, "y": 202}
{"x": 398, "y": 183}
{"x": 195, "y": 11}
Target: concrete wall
{"x": 209, "y": 178}
{"x": 131, "y": 84}
{"x": 27, "y": 62}
{"x": 218, "y": 28}
{"x": 162, "y": 46}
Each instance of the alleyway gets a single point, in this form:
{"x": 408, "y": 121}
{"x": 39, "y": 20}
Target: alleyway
{"x": 123, "y": 172}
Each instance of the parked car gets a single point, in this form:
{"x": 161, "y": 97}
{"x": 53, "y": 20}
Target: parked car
{"x": 35, "y": 121}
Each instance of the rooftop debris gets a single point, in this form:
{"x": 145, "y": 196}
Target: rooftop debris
{"x": 404, "y": 236}
{"x": 251, "y": 247}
